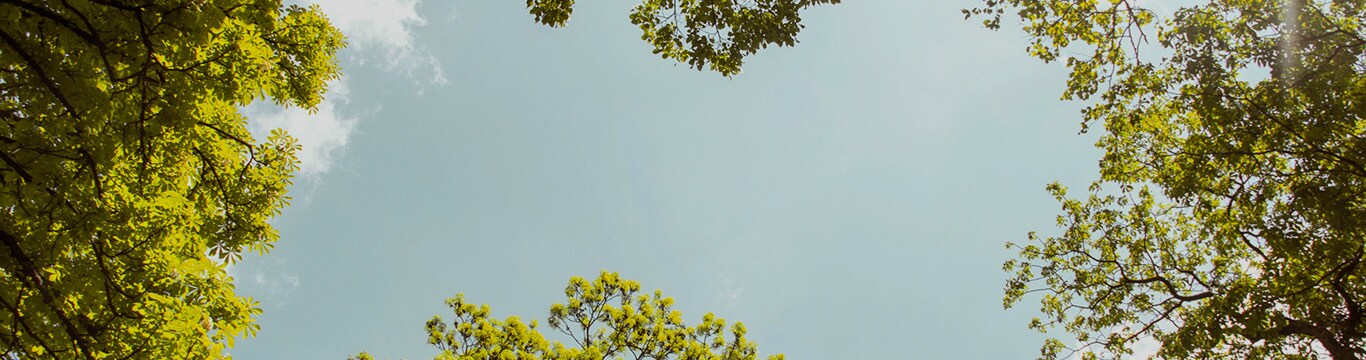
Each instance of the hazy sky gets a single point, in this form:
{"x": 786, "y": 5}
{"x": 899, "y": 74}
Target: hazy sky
{"x": 847, "y": 198}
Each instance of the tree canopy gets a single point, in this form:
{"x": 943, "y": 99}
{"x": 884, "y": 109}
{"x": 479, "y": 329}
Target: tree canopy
{"x": 710, "y": 34}
{"x": 1229, "y": 217}
{"x": 606, "y": 318}
{"x": 128, "y": 178}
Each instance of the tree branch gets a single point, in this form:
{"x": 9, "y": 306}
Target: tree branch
{"x": 1335, "y": 348}
{"x": 35, "y": 281}
{"x": 1171, "y": 288}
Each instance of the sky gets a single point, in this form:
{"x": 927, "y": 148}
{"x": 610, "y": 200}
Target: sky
{"x": 846, "y": 198}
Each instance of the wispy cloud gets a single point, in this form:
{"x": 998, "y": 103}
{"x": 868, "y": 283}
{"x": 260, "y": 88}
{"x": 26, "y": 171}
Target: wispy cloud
{"x": 731, "y": 295}
{"x": 266, "y": 278}
{"x": 381, "y": 31}
{"x": 728, "y": 292}
{"x": 322, "y": 134}
{"x": 1145, "y": 347}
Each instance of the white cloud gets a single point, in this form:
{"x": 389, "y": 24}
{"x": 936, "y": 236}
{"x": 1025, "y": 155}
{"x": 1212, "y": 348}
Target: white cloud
{"x": 728, "y": 292}
{"x": 732, "y": 295}
{"x": 1145, "y": 347}
{"x": 267, "y": 279}
{"x": 374, "y": 29}
{"x": 383, "y": 30}
{"x": 322, "y": 134}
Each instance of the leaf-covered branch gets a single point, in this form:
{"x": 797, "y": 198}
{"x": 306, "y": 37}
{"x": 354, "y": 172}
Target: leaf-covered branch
{"x": 606, "y": 317}
{"x": 1244, "y": 117}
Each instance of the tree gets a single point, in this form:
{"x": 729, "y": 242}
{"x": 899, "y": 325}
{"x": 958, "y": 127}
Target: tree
{"x": 606, "y": 318}
{"x": 128, "y": 179}
{"x": 1229, "y": 217}
{"x": 708, "y": 34}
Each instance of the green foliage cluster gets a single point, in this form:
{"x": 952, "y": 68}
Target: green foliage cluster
{"x": 128, "y": 179}
{"x": 1229, "y": 218}
{"x": 606, "y": 318}
{"x": 705, "y": 34}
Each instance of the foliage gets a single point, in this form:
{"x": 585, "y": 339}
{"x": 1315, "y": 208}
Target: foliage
{"x": 1229, "y": 218}
{"x": 705, "y": 34}
{"x": 606, "y": 318}
{"x": 128, "y": 179}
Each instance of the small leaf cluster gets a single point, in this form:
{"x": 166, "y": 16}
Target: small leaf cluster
{"x": 606, "y": 318}
{"x": 713, "y": 35}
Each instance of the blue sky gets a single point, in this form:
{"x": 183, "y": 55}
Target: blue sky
{"x": 845, "y": 198}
